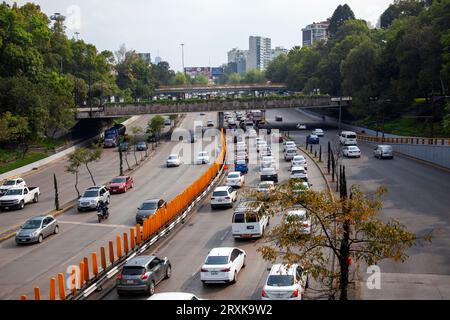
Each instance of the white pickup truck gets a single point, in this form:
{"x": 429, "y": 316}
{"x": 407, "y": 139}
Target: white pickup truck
{"x": 18, "y": 197}
{"x": 10, "y": 184}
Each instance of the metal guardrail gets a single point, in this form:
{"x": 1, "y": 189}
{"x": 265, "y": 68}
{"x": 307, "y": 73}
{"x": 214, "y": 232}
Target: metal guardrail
{"x": 407, "y": 140}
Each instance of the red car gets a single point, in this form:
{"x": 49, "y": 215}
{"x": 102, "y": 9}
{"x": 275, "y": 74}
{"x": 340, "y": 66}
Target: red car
{"x": 120, "y": 184}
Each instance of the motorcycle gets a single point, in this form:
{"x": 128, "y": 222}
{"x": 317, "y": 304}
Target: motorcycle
{"x": 102, "y": 213}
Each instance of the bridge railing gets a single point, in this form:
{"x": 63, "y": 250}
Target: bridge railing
{"x": 406, "y": 140}
{"x": 82, "y": 279}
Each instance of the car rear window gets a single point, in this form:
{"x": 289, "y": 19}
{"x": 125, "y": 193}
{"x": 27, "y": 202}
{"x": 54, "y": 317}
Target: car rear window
{"x": 351, "y": 136}
{"x": 220, "y": 194}
{"x": 133, "y": 271}
{"x": 280, "y": 280}
{"x": 233, "y": 176}
{"x": 90, "y": 194}
{"x": 9, "y": 183}
{"x": 119, "y": 180}
{"x": 239, "y": 218}
{"x": 217, "y": 260}
{"x": 149, "y": 206}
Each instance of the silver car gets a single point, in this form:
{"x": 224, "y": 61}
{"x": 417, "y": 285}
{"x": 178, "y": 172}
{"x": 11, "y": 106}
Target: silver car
{"x": 36, "y": 229}
{"x": 147, "y": 208}
{"x": 142, "y": 274}
{"x": 383, "y": 151}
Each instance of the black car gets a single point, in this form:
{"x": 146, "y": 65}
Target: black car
{"x": 124, "y": 146}
{"x": 141, "y": 146}
{"x": 142, "y": 274}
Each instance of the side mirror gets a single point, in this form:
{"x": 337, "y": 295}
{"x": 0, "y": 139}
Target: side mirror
{"x": 268, "y": 269}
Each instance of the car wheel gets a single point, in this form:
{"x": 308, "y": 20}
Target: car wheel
{"x": 22, "y": 204}
{"x": 120, "y": 293}
{"x": 151, "y": 288}
{"x": 243, "y": 265}
{"x": 56, "y": 230}
{"x": 125, "y": 190}
{"x": 36, "y": 198}
{"x": 40, "y": 238}
{"x": 80, "y": 210}
{"x": 168, "y": 272}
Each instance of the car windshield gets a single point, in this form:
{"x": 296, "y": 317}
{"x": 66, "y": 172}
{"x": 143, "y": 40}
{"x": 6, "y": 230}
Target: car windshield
{"x": 118, "y": 180}
{"x": 149, "y": 206}
{"x": 32, "y": 224}
{"x": 109, "y": 136}
{"x": 238, "y": 218}
{"x": 202, "y": 154}
{"x": 14, "y": 192}
{"x": 9, "y": 183}
{"x": 296, "y": 216}
{"x": 351, "y": 136}
{"x": 233, "y": 176}
{"x": 353, "y": 148}
{"x": 133, "y": 271}
{"x": 280, "y": 280}
{"x": 298, "y": 171}
{"x": 173, "y": 157}
{"x": 90, "y": 194}
{"x": 217, "y": 260}
{"x": 220, "y": 194}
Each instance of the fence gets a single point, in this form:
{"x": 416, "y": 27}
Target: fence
{"x": 127, "y": 244}
{"x": 407, "y": 140}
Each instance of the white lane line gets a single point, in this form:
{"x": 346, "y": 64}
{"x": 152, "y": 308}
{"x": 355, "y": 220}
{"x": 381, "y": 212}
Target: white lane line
{"x": 87, "y": 224}
{"x": 225, "y": 235}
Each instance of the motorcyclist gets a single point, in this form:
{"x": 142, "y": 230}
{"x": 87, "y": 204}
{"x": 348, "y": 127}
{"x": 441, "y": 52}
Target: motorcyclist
{"x": 103, "y": 208}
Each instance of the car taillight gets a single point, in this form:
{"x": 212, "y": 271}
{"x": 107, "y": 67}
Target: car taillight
{"x": 203, "y": 270}
{"x": 119, "y": 277}
{"x": 264, "y": 294}
{"x": 295, "y": 294}
{"x": 225, "y": 270}
{"x": 144, "y": 276}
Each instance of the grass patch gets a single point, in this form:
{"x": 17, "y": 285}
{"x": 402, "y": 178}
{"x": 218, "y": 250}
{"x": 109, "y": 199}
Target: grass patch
{"x": 121, "y": 119}
{"x": 51, "y": 144}
{"x": 29, "y": 158}
{"x": 411, "y": 127}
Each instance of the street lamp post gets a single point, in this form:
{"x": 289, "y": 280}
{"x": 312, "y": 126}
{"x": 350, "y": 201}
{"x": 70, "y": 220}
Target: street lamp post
{"x": 182, "y": 55}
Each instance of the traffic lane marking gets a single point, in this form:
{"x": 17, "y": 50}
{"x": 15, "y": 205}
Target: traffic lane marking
{"x": 88, "y": 224}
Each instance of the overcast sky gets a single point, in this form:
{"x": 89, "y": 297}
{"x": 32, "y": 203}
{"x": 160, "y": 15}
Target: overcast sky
{"x": 208, "y": 28}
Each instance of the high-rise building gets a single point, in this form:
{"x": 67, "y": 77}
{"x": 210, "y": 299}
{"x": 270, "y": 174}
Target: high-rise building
{"x": 158, "y": 59}
{"x": 315, "y": 32}
{"x": 147, "y": 57}
{"x": 237, "y": 60}
{"x": 276, "y": 52}
{"x": 259, "y": 53}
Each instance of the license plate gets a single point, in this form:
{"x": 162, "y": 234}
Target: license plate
{"x": 214, "y": 273}
{"x": 6, "y": 208}
{"x": 130, "y": 281}
{"x": 246, "y": 236}
{"x": 219, "y": 200}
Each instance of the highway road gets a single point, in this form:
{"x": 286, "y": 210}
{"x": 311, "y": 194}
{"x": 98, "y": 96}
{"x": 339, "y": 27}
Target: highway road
{"x": 206, "y": 228}
{"x": 23, "y": 267}
{"x": 103, "y": 171}
{"x": 418, "y": 196}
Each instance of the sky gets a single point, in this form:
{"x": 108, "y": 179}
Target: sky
{"x": 208, "y": 28}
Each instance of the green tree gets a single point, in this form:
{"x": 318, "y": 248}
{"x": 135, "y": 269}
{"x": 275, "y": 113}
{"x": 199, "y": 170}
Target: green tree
{"x": 234, "y": 78}
{"x": 155, "y": 126}
{"x": 277, "y": 70}
{"x": 179, "y": 79}
{"x": 399, "y": 9}
{"x": 340, "y": 15}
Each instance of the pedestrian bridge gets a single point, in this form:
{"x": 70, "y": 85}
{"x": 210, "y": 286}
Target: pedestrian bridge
{"x": 217, "y": 105}
{"x": 228, "y": 88}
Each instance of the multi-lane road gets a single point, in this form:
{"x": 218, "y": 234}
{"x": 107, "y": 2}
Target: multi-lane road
{"x": 418, "y": 197}
{"x": 23, "y": 267}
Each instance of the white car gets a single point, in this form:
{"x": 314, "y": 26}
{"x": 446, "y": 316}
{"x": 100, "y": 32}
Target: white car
{"x": 298, "y": 173}
{"x": 202, "y": 157}
{"x": 92, "y": 196}
{"x": 252, "y": 133}
{"x": 210, "y": 123}
{"x": 301, "y": 126}
{"x": 289, "y": 154}
{"x": 266, "y": 186}
{"x": 235, "y": 179}
{"x": 261, "y": 145}
{"x": 174, "y": 296}
{"x": 285, "y": 282}
{"x": 351, "y": 151}
{"x": 259, "y": 140}
{"x": 299, "y": 161}
{"x": 223, "y": 196}
{"x": 173, "y": 161}
{"x": 299, "y": 219}
{"x": 318, "y": 132}
{"x": 267, "y": 162}
{"x": 222, "y": 265}
{"x": 288, "y": 144}
{"x": 12, "y": 184}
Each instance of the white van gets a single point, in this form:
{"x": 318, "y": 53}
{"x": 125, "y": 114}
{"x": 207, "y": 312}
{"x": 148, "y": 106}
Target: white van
{"x": 249, "y": 220}
{"x": 348, "y": 138}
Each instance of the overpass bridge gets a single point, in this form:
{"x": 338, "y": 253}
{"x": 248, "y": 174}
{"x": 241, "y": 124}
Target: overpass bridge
{"x": 193, "y": 89}
{"x": 215, "y": 105}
